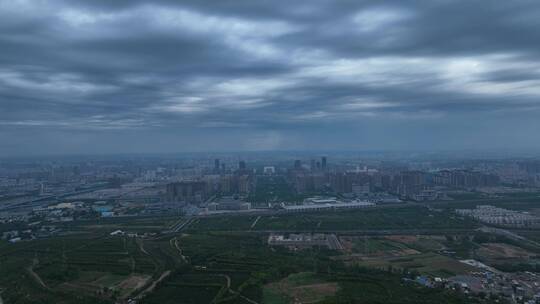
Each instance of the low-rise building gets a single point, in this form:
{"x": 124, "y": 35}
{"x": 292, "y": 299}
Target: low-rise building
{"x": 500, "y": 216}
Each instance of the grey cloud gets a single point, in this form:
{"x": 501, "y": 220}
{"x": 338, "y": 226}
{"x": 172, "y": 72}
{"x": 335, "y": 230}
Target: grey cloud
{"x": 273, "y": 74}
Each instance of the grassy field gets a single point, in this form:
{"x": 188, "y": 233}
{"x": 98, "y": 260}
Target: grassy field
{"x": 391, "y": 218}
{"x": 427, "y": 263}
{"x": 91, "y": 268}
{"x": 224, "y": 267}
{"x": 386, "y": 288}
{"x": 407, "y": 253}
{"x": 421, "y": 242}
{"x": 372, "y": 246}
{"x": 303, "y": 287}
{"x": 223, "y": 260}
{"x": 150, "y": 224}
{"x": 192, "y": 289}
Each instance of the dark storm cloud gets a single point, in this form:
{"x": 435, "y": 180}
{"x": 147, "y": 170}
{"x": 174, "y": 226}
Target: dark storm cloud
{"x": 435, "y": 28}
{"x": 265, "y": 74}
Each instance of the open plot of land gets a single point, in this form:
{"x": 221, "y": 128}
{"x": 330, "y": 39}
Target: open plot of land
{"x": 90, "y": 267}
{"x": 356, "y": 286}
{"x": 187, "y": 288}
{"x": 131, "y": 284}
{"x": 299, "y": 288}
{"x": 94, "y": 283}
{"x": 502, "y": 251}
{"x": 412, "y": 217}
{"x": 397, "y": 218}
{"x": 368, "y": 288}
{"x": 375, "y": 246}
{"x": 128, "y": 224}
{"x": 420, "y": 242}
{"x": 428, "y": 263}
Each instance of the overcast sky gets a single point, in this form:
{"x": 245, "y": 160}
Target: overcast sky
{"x": 109, "y": 76}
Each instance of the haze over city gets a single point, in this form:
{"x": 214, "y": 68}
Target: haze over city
{"x": 100, "y": 77}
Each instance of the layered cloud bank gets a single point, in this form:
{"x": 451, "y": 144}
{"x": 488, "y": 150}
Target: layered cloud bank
{"x": 164, "y": 76}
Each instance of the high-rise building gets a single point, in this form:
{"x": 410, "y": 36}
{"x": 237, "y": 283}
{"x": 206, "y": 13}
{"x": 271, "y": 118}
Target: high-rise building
{"x": 216, "y": 165}
{"x": 465, "y": 179}
{"x": 297, "y": 164}
{"x": 323, "y": 162}
{"x": 408, "y": 183}
{"x": 242, "y": 165}
{"x": 269, "y": 170}
{"x": 187, "y": 191}
{"x": 361, "y": 189}
{"x": 341, "y": 182}
{"x": 225, "y": 184}
{"x": 243, "y": 184}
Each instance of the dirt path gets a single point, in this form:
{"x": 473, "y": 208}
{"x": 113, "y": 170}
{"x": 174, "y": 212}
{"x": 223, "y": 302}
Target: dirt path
{"x": 247, "y": 299}
{"x": 228, "y": 278}
{"x": 153, "y": 285}
{"x": 35, "y": 276}
{"x": 175, "y": 242}
{"x": 255, "y": 222}
{"x": 141, "y": 246}
{"x": 228, "y": 285}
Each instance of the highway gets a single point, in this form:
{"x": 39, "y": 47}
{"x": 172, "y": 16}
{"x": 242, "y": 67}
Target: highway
{"x": 373, "y": 232}
{"x": 181, "y": 224}
{"x": 334, "y": 243}
{"x": 39, "y": 201}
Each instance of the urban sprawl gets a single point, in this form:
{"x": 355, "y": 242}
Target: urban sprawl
{"x": 467, "y": 227}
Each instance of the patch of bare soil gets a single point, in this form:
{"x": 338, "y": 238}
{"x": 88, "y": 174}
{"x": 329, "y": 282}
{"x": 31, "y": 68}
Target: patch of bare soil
{"x": 312, "y": 293}
{"x": 500, "y": 250}
{"x": 132, "y": 283}
{"x": 405, "y": 239}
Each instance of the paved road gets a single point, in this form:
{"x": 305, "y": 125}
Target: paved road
{"x": 141, "y": 246}
{"x": 182, "y": 224}
{"x": 228, "y": 278}
{"x": 36, "y": 277}
{"x": 38, "y": 201}
{"x": 334, "y": 242}
{"x": 175, "y": 242}
{"x": 371, "y": 232}
{"x": 154, "y": 284}
{"x": 255, "y": 222}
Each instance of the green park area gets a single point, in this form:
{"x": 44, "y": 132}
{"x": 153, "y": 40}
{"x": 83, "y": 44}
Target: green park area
{"x": 226, "y": 259}
{"x": 390, "y": 218}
